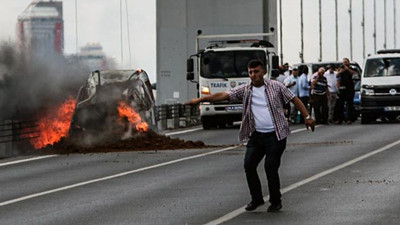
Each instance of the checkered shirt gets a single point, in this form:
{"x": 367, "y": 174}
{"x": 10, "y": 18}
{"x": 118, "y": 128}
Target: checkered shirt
{"x": 277, "y": 96}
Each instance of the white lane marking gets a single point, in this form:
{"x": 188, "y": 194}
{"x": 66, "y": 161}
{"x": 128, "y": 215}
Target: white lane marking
{"x": 241, "y": 210}
{"x": 183, "y": 131}
{"x": 26, "y": 160}
{"x": 303, "y": 129}
{"x": 112, "y": 176}
{"x": 167, "y": 134}
{"x": 49, "y": 156}
{"x": 196, "y": 129}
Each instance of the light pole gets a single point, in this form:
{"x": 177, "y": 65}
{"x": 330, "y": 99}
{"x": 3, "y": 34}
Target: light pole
{"x": 302, "y": 32}
{"x": 375, "y": 26}
{"x": 363, "y": 26}
{"x": 351, "y": 30}
{"x": 336, "y": 27}
{"x": 394, "y": 24}
{"x": 76, "y": 26}
{"x": 120, "y": 21}
{"x": 320, "y": 32}
{"x": 385, "y": 23}
{"x": 280, "y": 30}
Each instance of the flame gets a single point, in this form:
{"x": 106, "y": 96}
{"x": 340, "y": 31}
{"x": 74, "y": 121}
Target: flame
{"x": 142, "y": 127}
{"x": 53, "y": 126}
{"x": 125, "y": 111}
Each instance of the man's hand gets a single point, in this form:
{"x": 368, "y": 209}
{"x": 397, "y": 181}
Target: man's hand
{"x": 193, "y": 101}
{"x": 310, "y": 123}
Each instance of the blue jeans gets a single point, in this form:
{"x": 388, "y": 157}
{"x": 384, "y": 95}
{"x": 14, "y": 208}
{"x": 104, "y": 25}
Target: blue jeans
{"x": 260, "y": 145}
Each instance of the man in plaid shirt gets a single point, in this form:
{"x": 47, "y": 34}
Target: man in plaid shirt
{"x": 264, "y": 127}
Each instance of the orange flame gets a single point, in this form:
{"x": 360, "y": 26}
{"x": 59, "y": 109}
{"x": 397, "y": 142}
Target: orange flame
{"x": 142, "y": 127}
{"x": 52, "y": 127}
{"x": 125, "y": 111}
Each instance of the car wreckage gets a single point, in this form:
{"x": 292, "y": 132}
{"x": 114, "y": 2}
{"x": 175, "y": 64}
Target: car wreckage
{"x": 96, "y": 110}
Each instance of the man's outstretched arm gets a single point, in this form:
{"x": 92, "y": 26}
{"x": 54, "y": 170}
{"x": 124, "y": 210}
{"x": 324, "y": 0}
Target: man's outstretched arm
{"x": 217, "y": 97}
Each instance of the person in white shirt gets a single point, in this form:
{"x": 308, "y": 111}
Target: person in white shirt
{"x": 287, "y": 69}
{"x": 291, "y": 82}
{"x": 282, "y": 75}
{"x": 281, "y": 78}
{"x": 330, "y": 75}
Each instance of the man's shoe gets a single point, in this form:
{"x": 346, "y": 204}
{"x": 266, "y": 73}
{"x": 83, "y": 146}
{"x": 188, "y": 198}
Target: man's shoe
{"x": 253, "y": 205}
{"x": 274, "y": 208}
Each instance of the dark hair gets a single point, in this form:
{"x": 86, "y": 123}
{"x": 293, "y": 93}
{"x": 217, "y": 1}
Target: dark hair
{"x": 255, "y": 63}
{"x": 303, "y": 69}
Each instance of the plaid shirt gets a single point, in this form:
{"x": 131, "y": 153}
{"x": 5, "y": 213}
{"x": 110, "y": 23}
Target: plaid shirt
{"x": 277, "y": 96}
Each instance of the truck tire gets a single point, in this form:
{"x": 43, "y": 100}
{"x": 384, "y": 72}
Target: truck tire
{"x": 365, "y": 118}
{"x": 208, "y": 123}
{"x": 222, "y": 124}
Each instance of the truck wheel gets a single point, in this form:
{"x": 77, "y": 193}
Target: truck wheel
{"x": 208, "y": 123}
{"x": 365, "y": 118}
{"x": 222, "y": 124}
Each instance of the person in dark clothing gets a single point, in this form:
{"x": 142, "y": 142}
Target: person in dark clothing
{"x": 345, "y": 83}
{"x": 320, "y": 93}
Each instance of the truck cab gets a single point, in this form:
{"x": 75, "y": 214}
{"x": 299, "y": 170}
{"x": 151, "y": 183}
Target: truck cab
{"x": 380, "y": 87}
{"x": 222, "y": 66}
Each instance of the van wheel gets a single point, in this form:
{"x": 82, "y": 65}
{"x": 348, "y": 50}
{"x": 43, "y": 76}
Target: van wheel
{"x": 365, "y": 118}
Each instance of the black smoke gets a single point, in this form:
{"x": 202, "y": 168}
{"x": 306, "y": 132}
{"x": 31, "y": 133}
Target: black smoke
{"x": 30, "y": 84}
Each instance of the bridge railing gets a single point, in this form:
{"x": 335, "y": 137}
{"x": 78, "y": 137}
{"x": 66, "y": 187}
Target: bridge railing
{"x": 173, "y": 116}
{"x": 12, "y": 131}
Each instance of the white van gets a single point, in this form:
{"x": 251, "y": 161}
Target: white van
{"x": 380, "y": 87}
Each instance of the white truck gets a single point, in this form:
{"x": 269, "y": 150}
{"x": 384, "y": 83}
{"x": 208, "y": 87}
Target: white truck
{"x": 380, "y": 87}
{"x": 222, "y": 66}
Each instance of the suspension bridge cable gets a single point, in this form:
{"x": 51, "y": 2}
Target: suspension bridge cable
{"x": 129, "y": 38}
{"x": 76, "y": 26}
{"x": 120, "y": 21}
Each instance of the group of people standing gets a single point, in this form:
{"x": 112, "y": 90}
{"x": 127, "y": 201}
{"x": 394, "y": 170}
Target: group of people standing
{"x": 328, "y": 92}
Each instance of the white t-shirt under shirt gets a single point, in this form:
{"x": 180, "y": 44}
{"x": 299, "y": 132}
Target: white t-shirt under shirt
{"x": 262, "y": 117}
{"x": 331, "y": 78}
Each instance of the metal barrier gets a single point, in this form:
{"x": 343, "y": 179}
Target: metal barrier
{"x": 177, "y": 116}
{"x": 170, "y": 116}
{"x": 12, "y": 131}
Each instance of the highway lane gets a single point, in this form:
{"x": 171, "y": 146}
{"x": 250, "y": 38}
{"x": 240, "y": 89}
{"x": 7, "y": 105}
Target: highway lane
{"x": 200, "y": 190}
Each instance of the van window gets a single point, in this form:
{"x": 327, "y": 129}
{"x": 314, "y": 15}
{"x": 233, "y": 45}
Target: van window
{"x": 382, "y": 67}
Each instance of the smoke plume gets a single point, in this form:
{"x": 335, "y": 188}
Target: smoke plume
{"x": 30, "y": 84}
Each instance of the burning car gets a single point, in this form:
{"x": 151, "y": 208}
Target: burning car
{"x": 110, "y": 101}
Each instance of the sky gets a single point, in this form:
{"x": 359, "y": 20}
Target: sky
{"x": 99, "y": 22}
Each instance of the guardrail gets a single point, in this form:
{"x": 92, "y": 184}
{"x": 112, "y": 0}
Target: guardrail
{"x": 175, "y": 116}
{"x": 12, "y": 131}
{"x": 171, "y": 116}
